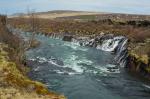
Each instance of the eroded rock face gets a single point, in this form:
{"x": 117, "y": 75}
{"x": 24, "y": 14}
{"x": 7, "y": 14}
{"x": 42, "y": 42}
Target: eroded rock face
{"x": 67, "y": 38}
{"x": 137, "y": 65}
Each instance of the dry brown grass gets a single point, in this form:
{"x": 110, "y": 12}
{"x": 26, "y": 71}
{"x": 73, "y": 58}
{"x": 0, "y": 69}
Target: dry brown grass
{"x": 134, "y": 33}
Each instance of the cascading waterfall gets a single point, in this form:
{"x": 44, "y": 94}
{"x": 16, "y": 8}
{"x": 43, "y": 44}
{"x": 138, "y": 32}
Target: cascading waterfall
{"x": 122, "y": 52}
{"x": 108, "y": 42}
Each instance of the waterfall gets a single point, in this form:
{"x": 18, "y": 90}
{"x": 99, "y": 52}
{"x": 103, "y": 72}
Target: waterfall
{"x": 108, "y": 42}
{"x": 122, "y": 52}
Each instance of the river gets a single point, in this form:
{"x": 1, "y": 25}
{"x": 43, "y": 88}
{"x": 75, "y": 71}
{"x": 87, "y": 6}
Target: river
{"x": 81, "y": 72}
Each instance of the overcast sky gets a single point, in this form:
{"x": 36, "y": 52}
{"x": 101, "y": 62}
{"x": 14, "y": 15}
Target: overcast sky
{"x": 119, "y": 6}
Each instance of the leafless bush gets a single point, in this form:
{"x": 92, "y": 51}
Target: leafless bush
{"x": 16, "y": 45}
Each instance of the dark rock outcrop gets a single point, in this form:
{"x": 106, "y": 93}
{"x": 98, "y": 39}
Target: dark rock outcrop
{"x": 67, "y": 38}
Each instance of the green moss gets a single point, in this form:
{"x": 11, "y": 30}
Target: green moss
{"x": 16, "y": 78}
{"x": 145, "y": 59}
{"x": 140, "y": 58}
{"x": 133, "y": 55}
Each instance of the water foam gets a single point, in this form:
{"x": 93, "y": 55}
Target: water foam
{"x": 72, "y": 62}
{"x": 109, "y": 68}
{"x": 75, "y": 46}
{"x": 146, "y": 86}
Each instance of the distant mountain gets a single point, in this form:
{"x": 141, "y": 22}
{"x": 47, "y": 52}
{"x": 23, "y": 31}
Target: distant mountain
{"x": 84, "y": 15}
{"x": 64, "y": 13}
{"x": 60, "y": 11}
{"x": 17, "y": 14}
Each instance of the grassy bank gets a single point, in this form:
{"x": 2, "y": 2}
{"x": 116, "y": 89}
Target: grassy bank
{"x": 14, "y": 84}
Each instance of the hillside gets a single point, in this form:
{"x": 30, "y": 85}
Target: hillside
{"x": 84, "y": 15}
{"x": 57, "y": 14}
{"x": 113, "y": 16}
